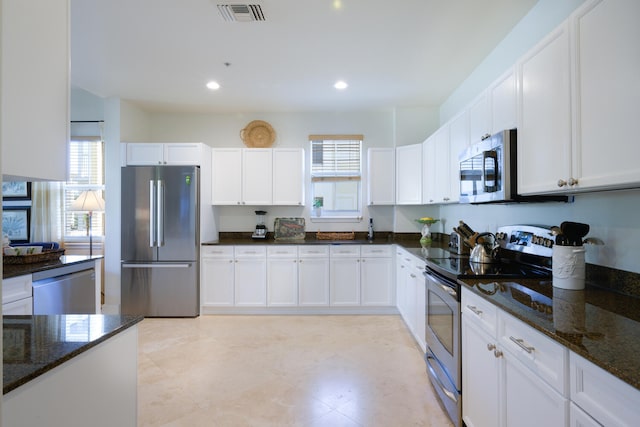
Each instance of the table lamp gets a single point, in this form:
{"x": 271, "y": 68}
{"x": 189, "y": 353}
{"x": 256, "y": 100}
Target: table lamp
{"x": 88, "y": 201}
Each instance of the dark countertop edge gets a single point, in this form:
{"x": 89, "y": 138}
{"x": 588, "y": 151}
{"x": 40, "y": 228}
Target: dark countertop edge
{"x": 16, "y": 270}
{"x": 620, "y": 373}
{"x": 128, "y": 322}
{"x": 409, "y": 240}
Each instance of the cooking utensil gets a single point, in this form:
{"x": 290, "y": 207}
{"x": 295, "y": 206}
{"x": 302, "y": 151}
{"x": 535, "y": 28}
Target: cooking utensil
{"x": 485, "y": 252}
{"x": 574, "y": 232}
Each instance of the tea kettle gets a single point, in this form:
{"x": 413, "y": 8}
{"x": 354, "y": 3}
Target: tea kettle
{"x": 485, "y": 252}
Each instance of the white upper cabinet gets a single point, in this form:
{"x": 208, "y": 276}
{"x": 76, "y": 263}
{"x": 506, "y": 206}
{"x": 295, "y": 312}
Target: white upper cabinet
{"x": 381, "y": 176}
{"x": 409, "y": 174}
{"x": 544, "y": 115}
{"x": 174, "y": 153}
{"x": 34, "y": 85}
{"x": 480, "y": 118}
{"x": 503, "y": 99}
{"x": 459, "y": 141}
{"x": 429, "y": 172}
{"x": 288, "y": 176}
{"x": 226, "y": 176}
{"x": 257, "y": 176}
{"x": 606, "y": 71}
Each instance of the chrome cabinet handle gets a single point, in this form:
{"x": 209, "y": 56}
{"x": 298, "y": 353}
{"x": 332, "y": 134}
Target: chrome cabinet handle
{"x": 497, "y": 353}
{"x": 572, "y": 182}
{"x": 491, "y": 347}
{"x": 474, "y": 309}
{"x": 522, "y": 345}
{"x": 413, "y": 276}
{"x": 562, "y": 183}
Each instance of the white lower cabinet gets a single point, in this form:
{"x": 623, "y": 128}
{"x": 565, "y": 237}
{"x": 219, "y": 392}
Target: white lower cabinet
{"x": 516, "y": 376}
{"x": 282, "y": 276}
{"x": 250, "y": 284}
{"x": 410, "y": 294}
{"x": 376, "y": 276}
{"x": 607, "y": 399}
{"x": 313, "y": 275}
{"x": 17, "y": 295}
{"x": 579, "y": 418}
{"x": 217, "y": 276}
{"x": 345, "y": 275}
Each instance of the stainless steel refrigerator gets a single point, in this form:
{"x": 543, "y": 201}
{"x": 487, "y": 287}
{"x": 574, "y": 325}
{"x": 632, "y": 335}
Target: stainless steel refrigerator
{"x": 160, "y": 242}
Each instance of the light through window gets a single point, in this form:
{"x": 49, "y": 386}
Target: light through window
{"x": 336, "y": 175}
{"x": 86, "y": 172}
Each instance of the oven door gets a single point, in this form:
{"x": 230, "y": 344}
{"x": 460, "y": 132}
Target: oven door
{"x": 442, "y": 323}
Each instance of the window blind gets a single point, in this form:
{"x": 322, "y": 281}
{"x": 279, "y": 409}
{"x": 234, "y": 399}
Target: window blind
{"x": 335, "y": 157}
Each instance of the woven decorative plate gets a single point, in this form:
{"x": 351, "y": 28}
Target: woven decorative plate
{"x": 258, "y": 134}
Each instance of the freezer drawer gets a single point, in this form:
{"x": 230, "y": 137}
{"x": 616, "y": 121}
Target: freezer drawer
{"x": 160, "y": 289}
{"x": 72, "y": 293}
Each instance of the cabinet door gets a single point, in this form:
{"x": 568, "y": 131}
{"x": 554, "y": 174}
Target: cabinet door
{"x": 376, "y": 281}
{"x": 480, "y": 370}
{"x": 544, "y": 115}
{"x": 420, "y": 306}
{"x": 345, "y": 281}
{"x": 142, "y": 154}
{"x": 250, "y": 282}
{"x": 429, "y": 179}
{"x": 35, "y": 89}
{"x": 217, "y": 277}
{"x": 183, "y": 153}
{"x": 529, "y": 401}
{"x": 479, "y": 118}
{"x": 579, "y": 418}
{"x": 20, "y": 307}
{"x": 257, "y": 176}
{"x": 458, "y": 142}
{"x": 409, "y": 175}
{"x": 226, "y": 176}
{"x": 282, "y": 282}
{"x": 441, "y": 165}
{"x": 313, "y": 281}
{"x": 381, "y": 176}
{"x": 502, "y": 95}
{"x": 607, "y": 66}
{"x": 288, "y": 176}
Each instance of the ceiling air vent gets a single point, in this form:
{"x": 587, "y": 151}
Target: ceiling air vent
{"x": 241, "y": 12}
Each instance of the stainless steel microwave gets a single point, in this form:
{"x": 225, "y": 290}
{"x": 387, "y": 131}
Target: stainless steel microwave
{"x": 488, "y": 172}
{"x": 487, "y": 169}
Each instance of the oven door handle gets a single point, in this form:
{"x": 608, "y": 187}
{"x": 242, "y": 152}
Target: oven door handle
{"x": 434, "y": 376}
{"x": 448, "y": 289}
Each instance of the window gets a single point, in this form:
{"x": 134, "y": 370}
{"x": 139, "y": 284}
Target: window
{"x": 86, "y": 172}
{"x": 336, "y": 175}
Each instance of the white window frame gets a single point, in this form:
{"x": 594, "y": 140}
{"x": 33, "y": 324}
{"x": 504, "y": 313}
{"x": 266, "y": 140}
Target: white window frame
{"x": 341, "y": 171}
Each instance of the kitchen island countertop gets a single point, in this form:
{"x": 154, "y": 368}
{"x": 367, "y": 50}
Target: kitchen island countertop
{"x": 14, "y": 270}
{"x": 34, "y": 345}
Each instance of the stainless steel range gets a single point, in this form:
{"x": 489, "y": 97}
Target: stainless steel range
{"x": 524, "y": 251}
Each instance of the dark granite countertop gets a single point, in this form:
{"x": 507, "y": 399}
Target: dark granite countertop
{"x": 14, "y": 270}
{"x": 381, "y": 238}
{"x": 598, "y": 324}
{"x": 33, "y": 345}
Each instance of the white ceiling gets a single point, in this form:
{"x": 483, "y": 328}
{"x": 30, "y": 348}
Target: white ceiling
{"x": 160, "y": 54}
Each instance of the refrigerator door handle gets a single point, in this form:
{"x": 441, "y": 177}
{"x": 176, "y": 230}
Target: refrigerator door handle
{"x": 160, "y": 213}
{"x": 158, "y": 265}
{"x": 152, "y": 214}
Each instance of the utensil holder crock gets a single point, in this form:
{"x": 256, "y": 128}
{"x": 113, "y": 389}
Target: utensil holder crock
{"x": 568, "y": 267}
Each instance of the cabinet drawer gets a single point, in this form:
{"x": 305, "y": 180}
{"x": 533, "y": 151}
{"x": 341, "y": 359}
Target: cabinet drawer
{"x": 216, "y": 251}
{"x": 313, "y": 251}
{"x": 609, "y": 400}
{"x": 16, "y": 288}
{"x": 375, "y": 251}
{"x": 282, "y": 251}
{"x": 250, "y": 251}
{"x": 545, "y": 357}
{"x": 345, "y": 251}
{"x": 480, "y": 311}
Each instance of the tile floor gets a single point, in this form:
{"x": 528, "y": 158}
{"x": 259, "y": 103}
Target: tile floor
{"x": 264, "y": 371}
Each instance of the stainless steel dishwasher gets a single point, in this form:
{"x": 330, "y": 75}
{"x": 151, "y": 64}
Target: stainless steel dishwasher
{"x": 65, "y": 290}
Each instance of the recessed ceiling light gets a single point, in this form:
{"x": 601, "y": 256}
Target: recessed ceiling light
{"x": 213, "y": 85}
{"x": 340, "y": 85}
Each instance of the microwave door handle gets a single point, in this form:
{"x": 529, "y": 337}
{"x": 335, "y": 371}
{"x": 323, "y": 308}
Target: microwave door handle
{"x": 494, "y": 158}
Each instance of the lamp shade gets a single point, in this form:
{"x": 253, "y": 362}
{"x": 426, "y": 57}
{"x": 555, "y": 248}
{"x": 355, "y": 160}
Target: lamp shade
{"x": 88, "y": 201}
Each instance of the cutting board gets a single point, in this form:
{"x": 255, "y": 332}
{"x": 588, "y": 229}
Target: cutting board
{"x": 289, "y": 229}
